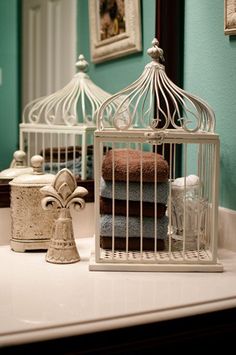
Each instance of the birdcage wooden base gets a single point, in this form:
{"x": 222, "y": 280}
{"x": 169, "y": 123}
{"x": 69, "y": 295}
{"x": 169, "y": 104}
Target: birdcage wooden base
{"x": 190, "y": 262}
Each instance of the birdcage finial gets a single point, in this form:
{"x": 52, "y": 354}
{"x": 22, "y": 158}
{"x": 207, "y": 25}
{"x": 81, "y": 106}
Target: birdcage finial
{"x": 82, "y": 64}
{"x": 76, "y": 103}
{"x": 155, "y": 51}
{"x": 154, "y": 101}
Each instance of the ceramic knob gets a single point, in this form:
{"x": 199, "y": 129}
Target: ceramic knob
{"x": 37, "y": 164}
{"x": 19, "y": 157}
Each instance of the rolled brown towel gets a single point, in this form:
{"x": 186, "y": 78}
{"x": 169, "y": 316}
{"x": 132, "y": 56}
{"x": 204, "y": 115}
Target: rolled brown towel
{"x": 134, "y": 243}
{"x": 134, "y": 161}
{"x": 134, "y": 208}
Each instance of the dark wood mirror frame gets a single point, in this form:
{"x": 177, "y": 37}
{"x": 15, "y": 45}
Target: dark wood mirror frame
{"x": 170, "y": 34}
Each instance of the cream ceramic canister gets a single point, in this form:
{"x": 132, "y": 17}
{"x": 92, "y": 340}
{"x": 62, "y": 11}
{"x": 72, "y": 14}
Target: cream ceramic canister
{"x": 31, "y": 225}
{"x": 16, "y": 168}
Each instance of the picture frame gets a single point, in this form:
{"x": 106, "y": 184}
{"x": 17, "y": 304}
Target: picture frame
{"x": 230, "y": 17}
{"x": 114, "y": 32}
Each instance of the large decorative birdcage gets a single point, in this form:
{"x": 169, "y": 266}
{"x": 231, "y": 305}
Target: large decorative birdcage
{"x": 156, "y": 178}
{"x": 60, "y": 126}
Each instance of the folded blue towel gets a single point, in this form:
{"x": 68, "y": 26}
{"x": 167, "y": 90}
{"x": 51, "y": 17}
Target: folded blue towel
{"x": 134, "y": 224}
{"x": 134, "y": 191}
{"x": 73, "y": 165}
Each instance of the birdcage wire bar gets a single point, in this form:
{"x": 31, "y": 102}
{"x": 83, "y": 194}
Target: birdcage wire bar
{"x": 60, "y": 126}
{"x": 39, "y": 140}
{"x": 150, "y": 214}
{"x": 175, "y": 256}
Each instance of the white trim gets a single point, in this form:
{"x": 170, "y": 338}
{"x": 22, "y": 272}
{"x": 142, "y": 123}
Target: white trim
{"x": 61, "y": 48}
{"x": 227, "y": 228}
{"x": 49, "y": 46}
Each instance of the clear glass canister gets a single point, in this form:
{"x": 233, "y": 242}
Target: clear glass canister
{"x": 188, "y": 212}
{"x": 31, "y": 225}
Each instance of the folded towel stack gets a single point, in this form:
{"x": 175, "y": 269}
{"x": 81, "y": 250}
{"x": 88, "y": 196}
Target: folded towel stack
{"x": 69, "y": 157}
{"x": 152, "y": 166}
{"x": 64, "y": 153}
{"x": 74, "y": 165}
{"x": 135, "y": 210}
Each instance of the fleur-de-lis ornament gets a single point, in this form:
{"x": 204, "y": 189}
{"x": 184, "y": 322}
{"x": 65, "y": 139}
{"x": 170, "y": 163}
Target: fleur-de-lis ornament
{"x": 64, "y": 193}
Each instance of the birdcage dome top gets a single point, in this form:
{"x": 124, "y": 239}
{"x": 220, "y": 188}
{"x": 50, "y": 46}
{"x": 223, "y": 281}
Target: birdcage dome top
{"x": 76, "y": 103}
{"x": 154, "y": 101}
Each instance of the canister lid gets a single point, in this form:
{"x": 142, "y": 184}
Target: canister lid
{"x": 189, "y": 182}
{"x": 17, "y": 167}
{"x": 36, "y": 177}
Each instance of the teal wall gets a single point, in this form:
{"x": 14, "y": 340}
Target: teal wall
{"x": 210, "y": 72}
{"x": 116, "y": 74}
{"x": 9, "y": 90}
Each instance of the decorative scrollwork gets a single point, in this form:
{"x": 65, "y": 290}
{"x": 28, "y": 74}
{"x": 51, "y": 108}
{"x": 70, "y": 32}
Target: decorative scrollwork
{"x": 154, "y": 101}
{"x": 77, "y": 102}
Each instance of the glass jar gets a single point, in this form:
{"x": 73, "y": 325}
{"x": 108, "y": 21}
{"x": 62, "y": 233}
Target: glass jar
{"x": 188, "y": 216}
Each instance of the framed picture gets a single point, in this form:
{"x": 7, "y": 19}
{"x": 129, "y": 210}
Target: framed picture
{"x": 230, "y": 17}
{"x": 115, "y": 28}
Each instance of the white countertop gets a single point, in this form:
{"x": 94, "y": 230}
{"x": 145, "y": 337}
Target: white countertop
{"x": 40, "y": 301}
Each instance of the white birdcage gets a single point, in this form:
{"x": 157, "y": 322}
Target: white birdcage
{"x": 60, "y": 126}
{"x": 156, "y": 178}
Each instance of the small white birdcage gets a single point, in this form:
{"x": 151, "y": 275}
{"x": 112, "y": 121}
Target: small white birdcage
{"x": 156, "y": 178}
{"x": 60, "y": 126}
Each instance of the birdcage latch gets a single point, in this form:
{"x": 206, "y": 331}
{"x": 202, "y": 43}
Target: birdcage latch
{"x": 155, "y": 138}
